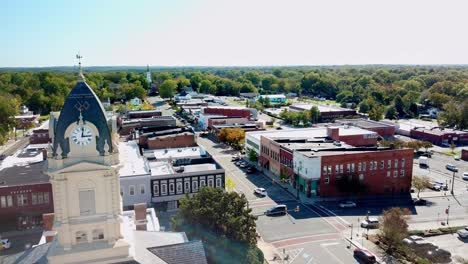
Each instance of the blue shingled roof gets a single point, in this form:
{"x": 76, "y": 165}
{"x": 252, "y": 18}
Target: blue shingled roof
{"x": 83, "y": 98}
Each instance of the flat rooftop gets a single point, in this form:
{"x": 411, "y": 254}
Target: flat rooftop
{"x": 227, "y": 107}
{"x": 132, "y": 162}
{"x": 322, "y": 108}
{"x": 306, "y": 144}
{"x": 340, "y": 151}
{"x": 24, "y": 174}
{"x": 440, "y": 132}
{"x": 175, "y": 153}
{"x": 353, "y": 131}
{"x": 363, "y": 123}
{"x": 312, "y": 132}
{"x": 159, "y": 168}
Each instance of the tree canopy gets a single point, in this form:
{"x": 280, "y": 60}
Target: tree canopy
{"x": 223, "y": 222}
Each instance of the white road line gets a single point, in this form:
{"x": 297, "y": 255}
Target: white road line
{"x": 329, "y": 244}
{"x": 331, "y": 212}
{"x": 309, "y": 242}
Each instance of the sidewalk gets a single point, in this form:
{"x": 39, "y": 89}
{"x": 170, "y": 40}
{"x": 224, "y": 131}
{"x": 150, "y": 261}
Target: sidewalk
{"x": 270, "y": 253}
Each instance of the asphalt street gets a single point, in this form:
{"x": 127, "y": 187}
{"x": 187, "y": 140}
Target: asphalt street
{"x": 311, "y": 235}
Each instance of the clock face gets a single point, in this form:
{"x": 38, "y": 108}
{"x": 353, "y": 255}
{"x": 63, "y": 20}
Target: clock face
{"x": 82, "y": 135}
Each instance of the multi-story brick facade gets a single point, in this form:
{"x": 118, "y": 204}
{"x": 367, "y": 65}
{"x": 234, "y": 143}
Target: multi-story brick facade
{"x": 440, "y": 137}
{"x": 270, "y": 155}
{"x": 380, "y": 171}
{"x": 172, "y": 141}
{"x": 39, "y": 136}
{"x": 228, "y": 111}
{"x": 25, "y": 194}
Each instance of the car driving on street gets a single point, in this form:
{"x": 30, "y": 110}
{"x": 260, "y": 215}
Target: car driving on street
{"x": 347, "y": 204}
{"x": 260, "y": 192}
{"x": 277, "y": 210}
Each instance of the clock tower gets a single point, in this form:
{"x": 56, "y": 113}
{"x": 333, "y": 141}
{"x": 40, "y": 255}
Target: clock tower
{"x": 83, "y": 170}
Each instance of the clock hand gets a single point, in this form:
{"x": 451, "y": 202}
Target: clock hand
{"x": 82, "y": 131}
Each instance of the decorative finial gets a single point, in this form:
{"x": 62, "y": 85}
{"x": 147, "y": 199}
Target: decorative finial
{"x": 80, "y": 74}
{"x": 80, "y": 119}
{"x": 106, "y": 148}
{"x": 58, "y": 152}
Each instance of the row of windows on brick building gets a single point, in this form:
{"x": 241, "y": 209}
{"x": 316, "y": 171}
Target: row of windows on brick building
{"x": 6, "y": 201}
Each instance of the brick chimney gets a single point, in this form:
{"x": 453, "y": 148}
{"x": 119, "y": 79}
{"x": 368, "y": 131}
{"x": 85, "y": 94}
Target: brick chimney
{"x": 333, "y": 133}
{"x": 140, "y": 216}
{"x": 48, "y": 220}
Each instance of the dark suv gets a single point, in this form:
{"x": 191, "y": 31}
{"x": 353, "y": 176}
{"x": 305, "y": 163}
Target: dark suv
{"x": 364, "y": 255}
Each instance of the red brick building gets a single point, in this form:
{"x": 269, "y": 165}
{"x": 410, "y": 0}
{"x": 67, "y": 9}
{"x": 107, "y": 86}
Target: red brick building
{"x": 383, "y": 129}
{"x": 353, "y": 136}
{"x": 143, "y": 114}
{"x": 39, "y": 136}
{"x": 228, "y": 111}
{"x": 464, "y": 154}
{"x": 380, "y": 171}
{"x": 25, "y": 194}
{"x": 440, "y": 137}
{"x": 172, "y": 141}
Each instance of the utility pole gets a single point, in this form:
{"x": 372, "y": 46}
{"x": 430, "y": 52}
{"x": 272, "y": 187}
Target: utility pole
{"x": 448, "y": 214}
{"x": 351, "y": 231}
{"x": 453, "y": 182}
{"x": 358, "y": 226}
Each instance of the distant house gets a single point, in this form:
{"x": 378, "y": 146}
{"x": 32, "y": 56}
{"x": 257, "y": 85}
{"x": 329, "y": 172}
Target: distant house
{"x": 107, "y": 103}
{"x": 274, "y": 98}
{"x": 290, "y": 95}
{"x": 136, "y": 101}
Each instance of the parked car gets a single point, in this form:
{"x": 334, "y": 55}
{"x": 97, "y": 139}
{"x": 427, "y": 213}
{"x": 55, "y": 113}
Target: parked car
{"x": 277, "y": 210}
{"x": 371, "y": 222}
{"x": 463, "y": 233}
{"x": 347, "y": 204}
{"x": 260, "y": 192}
{"x": 250, "y": 170}
{"x": 238, "y": 163}
{"x": 443, "y": 185}
{"x": 364, "y": 255}
{"x": 465, "y": 176}
{"x": 412, "y": 239}
{"x": 436, "y": 187}
{"x": 235, "y": 158}
{"x": 5, "y": 243}
{"x": 243, "y": 164}
{"x": 419, "y": 201}
{"x": 456, "y": 158}
{"x": 451, "y": 167}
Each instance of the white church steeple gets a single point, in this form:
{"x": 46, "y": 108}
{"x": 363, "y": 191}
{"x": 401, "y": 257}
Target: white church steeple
{"x": 148, "y": 74}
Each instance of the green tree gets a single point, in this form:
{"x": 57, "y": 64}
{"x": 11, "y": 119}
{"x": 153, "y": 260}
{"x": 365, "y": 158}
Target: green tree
{"x": 364, "y": 107}
{"x": 391, "y": 113}
{"x": 399, "y": 106}
{"x": 168, "y": 89}
{"x": 376, "y": 113}
{"x": 223, "y": 221}
{"x": 253, "y": 157}
{"x": 314, "y": 114}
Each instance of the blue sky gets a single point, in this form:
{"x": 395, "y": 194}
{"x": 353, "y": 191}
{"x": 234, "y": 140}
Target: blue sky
{"x": 238, "y": 32}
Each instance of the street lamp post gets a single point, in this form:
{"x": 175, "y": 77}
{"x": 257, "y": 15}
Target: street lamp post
{"x": 351, "y": 231}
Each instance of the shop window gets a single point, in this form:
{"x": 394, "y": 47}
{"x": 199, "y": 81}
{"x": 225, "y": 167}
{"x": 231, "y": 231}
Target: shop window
{"x": 361, "y": 177}
{"x": 359, "y": 166}
{"x": 9, "y": 201}
{"x": 337, "y": 168}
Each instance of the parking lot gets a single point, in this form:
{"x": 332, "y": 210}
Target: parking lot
{"x": 451, "y": 242}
